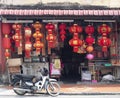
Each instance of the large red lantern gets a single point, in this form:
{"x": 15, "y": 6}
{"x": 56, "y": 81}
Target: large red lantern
{"x": 89, "y": 29}
{"x": 105, "y": 43}
{"x": 75, "y": 42}
{"x": 104, "y": 29}
{"x": 6, "y": 41}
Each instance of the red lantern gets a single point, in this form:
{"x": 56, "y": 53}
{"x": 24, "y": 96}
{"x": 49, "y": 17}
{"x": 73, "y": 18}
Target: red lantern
{"x": 62, "y": 28}
{"x": 37, "y": 25}
{"x": 89, "y": 48}
{"x": 38, "y": 45}
{"x": 17, "y": 39}
{"x": 28, "y": 47}
{"x": 50, "y": 26}
{"x": 37, "y": 35}
{"x": 89, "y": 40}
{"x": 75, "y": 29}
{"x": 6, "y": 43}
{"x": 6, "y": 28}
{"x": 75, "y": 43}
{"x": 7, "y": 54}
{"x": 104, "y": 29}
{"x": 105, "y": 43}
{"x": 89, "y": 30}
{"x": 51, "y": 39}
{"x": 28, "y": 32}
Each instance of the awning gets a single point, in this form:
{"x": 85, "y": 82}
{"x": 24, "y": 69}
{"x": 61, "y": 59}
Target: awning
{"x": 60, "y": 12}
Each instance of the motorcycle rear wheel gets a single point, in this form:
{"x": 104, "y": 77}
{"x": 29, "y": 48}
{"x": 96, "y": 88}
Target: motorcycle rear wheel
{"x": 53, "y": 88}
{"x": 19, "y": 92}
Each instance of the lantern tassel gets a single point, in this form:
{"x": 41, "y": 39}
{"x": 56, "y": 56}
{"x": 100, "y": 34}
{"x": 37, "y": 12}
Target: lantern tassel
{"x": 104, "y": 48}
{"x": 75, "y": 49}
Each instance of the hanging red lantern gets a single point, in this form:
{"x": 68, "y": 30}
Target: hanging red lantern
{"x": 28, "y": 32}
{"x": 75, "y": 42}
{"x": 75, "y": 29}
{"x": 51, "y": 39}
{"x": 6, "y": 41}
{"x": 7, "y": 54}
{"x": 89, "y": 40}
{"x": 105, "y": 43}
{"x": 50, "y": 26}
{"x": 17, "y": 39}
{"x": 104, "y": 29}
{"x": 89, "y": 29}
{"x": 6, "y": 28}
{"x": 62, "y": 28}
{"x": 89, "y": 48}
{"x": 37, "y": 35}
{"x": 38, "y": 45}
{"x": 37, "y": 25}
{"x": 28, "y": 47}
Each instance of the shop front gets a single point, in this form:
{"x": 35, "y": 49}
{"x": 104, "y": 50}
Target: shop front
{"x": 80, "y": 45}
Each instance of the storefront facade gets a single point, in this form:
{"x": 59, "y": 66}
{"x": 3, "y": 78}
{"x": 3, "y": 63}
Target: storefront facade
{"x": 74, "y": 62}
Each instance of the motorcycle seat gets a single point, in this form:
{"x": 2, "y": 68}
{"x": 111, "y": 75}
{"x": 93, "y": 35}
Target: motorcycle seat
{"x": 25, "y": 77}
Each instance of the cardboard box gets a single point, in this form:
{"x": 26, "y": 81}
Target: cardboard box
{"x": 15, "y": 62}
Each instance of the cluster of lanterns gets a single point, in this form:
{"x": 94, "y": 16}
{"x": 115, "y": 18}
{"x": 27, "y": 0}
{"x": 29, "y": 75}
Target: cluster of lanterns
{"x": 75, "y": 42}
{"x": 28, "y": 44}
{"x": 62, "y": 28}
{"x": 89, "y": 40}
{"x": 104, "y": 41}
{"x": 38, "y": 35}
{"x": 50, "y": 37}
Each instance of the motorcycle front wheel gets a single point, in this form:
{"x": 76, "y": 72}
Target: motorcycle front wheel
{"x": 53, "y": 88}
{"x": 19, "y": 85}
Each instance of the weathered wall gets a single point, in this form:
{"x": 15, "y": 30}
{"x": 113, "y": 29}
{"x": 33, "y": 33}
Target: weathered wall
{"x": 108, "y": 3}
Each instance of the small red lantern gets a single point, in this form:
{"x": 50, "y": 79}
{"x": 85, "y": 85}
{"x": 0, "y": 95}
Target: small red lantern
{"x": 89, "y": 29}
{"x": 75, "y": 43}
{"x": 7, "y": 54}
{"x": 38, "y": 45}
{"x": 104, "y": 29}
{"x": 28, "y": 32}
{"x": 17, "y": 39}
{"x": 51, "y": 39}
{"x": 89, "y": 40}
{"x": 105, "y": 43}
{"x": 37, "y": 35}
{"x": 62, "y": 28}
{"x": 37, "y": 25}
{"x": 75, "y": 29}
{"x": 50, "y": 26}
{"x": 28, "y": 47}
{"x": 89, "y": 48}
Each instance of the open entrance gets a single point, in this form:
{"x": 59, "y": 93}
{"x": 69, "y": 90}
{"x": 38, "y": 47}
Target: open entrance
{"x": 72, "y": 61}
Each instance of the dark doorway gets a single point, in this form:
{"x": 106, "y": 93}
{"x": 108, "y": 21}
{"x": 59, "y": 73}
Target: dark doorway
{"x": 71, "y": 61}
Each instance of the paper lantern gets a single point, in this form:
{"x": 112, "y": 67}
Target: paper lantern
{"x": 75, "y": 43}
{"x": 89, "y": 49}
{"x": 37, "y": 25}
{"x": 89, "y": 40}
{"x": 104, "y": 29}
{"x": 89, "y": 29}
{"x": 90, "y": 56}
{"x": 38, "y": 45}
{"x": 105, "y": 43}
{"x": 75, "y": 29}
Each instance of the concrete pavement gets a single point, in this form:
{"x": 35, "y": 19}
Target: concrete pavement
{"x": 74, "y": 89}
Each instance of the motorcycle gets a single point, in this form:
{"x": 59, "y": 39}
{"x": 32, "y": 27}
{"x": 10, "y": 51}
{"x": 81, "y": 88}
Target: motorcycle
{"x": 23, "y": 84}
